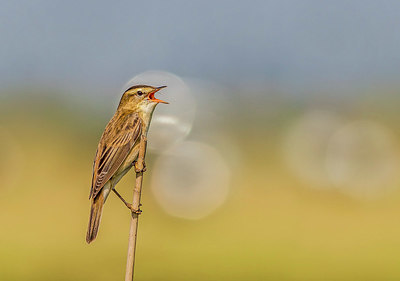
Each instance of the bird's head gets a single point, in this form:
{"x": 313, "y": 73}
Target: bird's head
{"x": 140, "y": 98}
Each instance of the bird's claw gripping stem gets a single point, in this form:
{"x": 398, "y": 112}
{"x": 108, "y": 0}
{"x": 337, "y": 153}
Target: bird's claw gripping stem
{"x": 133, "y": 210}
{"x": 140, "y": 167}
{"x": 129, "y": 205}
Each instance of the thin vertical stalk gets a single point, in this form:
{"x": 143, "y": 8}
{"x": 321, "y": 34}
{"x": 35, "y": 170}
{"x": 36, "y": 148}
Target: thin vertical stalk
{"x": 139, "y": 166}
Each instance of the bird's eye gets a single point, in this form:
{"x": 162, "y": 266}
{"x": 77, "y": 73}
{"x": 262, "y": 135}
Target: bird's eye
{"x": 140, "y": 93}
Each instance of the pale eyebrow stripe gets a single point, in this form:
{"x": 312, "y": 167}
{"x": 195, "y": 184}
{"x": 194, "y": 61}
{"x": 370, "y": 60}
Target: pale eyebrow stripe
{"x": 136, "y": 86}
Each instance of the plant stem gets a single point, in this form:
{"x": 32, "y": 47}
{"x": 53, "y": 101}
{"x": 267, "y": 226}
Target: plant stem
{"x": 139, "y": 166}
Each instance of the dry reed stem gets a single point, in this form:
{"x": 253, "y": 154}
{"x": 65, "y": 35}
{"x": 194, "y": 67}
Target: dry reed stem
{"x": 139, "y": 166}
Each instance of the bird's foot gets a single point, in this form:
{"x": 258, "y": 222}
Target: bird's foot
{"x": 133, "y": 210}
{"x": 140, "y": 168}
{"x": 128, "y": 205}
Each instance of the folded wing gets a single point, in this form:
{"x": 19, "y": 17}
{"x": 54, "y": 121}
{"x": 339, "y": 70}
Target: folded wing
{"x": 119, "y": 137}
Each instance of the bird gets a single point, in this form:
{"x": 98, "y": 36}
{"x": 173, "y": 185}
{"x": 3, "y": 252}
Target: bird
{"x": 118, "y": 148}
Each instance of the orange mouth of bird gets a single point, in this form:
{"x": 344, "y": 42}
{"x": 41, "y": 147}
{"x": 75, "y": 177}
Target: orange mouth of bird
{"x": 152, "y": 98}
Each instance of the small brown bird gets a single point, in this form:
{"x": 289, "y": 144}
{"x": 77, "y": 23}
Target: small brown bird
{"x": 119, "y": 147}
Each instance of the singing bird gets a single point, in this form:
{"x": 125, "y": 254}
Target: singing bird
{"x": 118, "y": 148}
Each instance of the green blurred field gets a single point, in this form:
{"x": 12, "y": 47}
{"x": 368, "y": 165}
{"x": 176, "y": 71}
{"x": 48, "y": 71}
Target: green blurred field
{"x": 272, "y": 227}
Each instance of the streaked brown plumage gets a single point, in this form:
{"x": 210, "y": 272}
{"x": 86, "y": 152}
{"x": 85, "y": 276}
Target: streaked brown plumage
{"x": 119, "y": 146}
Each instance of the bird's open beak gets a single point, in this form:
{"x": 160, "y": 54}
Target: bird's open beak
{"x": 152, "y": 98}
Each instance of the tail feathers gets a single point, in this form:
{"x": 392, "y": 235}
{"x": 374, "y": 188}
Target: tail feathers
{"x": 95, "y": 216}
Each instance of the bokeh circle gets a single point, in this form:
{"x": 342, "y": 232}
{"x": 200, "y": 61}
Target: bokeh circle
{"x": 191, "y": 180}
{"x": 173, "y": 122}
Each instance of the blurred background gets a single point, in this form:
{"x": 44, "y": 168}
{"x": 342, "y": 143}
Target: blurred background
{"x": 277, "y": 159}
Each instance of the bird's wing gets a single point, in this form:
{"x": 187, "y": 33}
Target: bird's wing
{"x": 119, "y": 137}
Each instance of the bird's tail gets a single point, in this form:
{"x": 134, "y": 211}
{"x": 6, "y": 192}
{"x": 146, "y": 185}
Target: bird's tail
{"x": 95, "y": 216}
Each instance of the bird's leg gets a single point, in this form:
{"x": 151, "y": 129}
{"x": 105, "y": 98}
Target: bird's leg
{"x": 128, "y": 205}
{"x": 140, "y": 165}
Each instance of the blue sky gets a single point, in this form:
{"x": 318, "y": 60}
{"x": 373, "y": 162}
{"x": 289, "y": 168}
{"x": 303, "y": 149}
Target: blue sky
{"x": 288, "y": 42}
